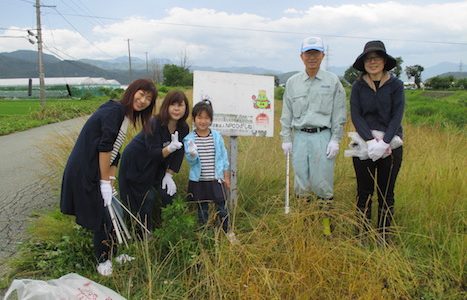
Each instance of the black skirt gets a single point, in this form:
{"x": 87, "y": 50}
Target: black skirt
{"x": 206, "y": 191}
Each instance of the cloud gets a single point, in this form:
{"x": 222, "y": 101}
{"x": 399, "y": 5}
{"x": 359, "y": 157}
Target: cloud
{"x": 218, "y": 38}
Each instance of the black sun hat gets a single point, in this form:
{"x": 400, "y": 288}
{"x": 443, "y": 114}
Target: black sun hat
{"x": 374, "y": 46}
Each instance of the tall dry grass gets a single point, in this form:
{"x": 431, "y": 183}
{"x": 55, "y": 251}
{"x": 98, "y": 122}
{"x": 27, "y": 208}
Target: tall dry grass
{"x": 286, "y": 256}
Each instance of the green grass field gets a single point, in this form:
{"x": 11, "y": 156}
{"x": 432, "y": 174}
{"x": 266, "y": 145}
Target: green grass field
{"x": 286, "y": 256}
{"x": 18, "y": 115}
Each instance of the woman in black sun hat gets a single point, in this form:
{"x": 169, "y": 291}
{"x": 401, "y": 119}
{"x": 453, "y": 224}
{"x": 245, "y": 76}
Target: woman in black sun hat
{"x": 377, "y": 106}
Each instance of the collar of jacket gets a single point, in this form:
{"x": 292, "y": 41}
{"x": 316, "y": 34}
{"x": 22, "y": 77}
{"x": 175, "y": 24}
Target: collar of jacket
{"x": 383, "y": 80}
{"x": 318, "y": 75}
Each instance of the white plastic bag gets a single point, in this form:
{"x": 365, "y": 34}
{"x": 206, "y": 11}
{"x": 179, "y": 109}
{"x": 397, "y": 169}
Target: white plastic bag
{"x": 71, "y": 286}
{"x": 359, "y": 148}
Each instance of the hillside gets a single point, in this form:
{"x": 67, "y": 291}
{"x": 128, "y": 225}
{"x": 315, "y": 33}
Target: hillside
{"x": 19, "y": 64}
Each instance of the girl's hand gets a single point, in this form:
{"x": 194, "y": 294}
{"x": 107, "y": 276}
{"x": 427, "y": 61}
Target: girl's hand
{"x": 175, "y": 143}
{"x": 192, "y": 149}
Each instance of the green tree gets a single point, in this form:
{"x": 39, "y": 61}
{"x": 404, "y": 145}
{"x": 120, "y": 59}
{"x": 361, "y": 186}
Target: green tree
{"x": 398, "y": 68}
{"x": 415, "y": 72}
{"x": 440, "y": 83}
{"x": 177, "y": 76}
{"x": 351, "y": 74}
{"x": 461, "y": 84}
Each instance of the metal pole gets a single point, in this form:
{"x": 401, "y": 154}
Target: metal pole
{"x": 147, "y": 65}
{"x": 287, "y": 185}
{"x": 233, "y": 171}
{"x": 39, "y": 53}
{"x": 129, "y": 61}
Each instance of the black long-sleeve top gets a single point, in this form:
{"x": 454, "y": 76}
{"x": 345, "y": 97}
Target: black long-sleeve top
{"x": 379, "y": 108}
{"x": 142, "y": 164}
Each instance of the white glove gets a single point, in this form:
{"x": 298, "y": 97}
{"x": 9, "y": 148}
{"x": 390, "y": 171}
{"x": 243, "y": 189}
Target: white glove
{"x": 287, "y": 147}
{"x": 192, "y": 148}
{"x": 106, "y": 192}
{"x": 332, "y": 149}
{"x": 174, "y": 144}
{"x": 169, "y": 184}
{"x": 376, "y": 149}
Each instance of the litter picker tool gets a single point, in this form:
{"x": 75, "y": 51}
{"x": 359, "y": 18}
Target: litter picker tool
{"x": 131, "y": 215}
{"x": 114, "y": 223}
{"x": 287, "y": 186}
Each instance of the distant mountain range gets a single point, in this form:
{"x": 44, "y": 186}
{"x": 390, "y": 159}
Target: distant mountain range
{"x": 23, "y": 64}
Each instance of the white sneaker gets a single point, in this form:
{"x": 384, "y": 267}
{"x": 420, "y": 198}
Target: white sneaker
{"x": 105, "y": 268}
{"x": 124, "y": 258}
{"x": 232, "y": 238}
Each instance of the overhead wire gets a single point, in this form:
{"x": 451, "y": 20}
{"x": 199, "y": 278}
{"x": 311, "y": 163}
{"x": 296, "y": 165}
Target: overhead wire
{"x": 69, "y": 23}
{"x": 280, "y": 31}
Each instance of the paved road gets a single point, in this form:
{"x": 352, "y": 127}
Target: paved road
{"x": 24, "y": 179}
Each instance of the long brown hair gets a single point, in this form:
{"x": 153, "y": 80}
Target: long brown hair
{"x": 173, "y": 97}
{"x": 128, "y": 98}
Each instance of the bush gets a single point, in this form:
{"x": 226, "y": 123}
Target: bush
{"x": 279, "y": 92}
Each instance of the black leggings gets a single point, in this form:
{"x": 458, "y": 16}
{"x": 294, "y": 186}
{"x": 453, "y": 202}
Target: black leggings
{"x": 385, "y": 171}
{"x": 103, "y": 239}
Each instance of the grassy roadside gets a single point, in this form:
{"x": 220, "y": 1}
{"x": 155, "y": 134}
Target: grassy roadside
{"x": 285, "y": 257}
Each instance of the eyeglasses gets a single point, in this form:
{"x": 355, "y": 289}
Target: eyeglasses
{"x": 373, "y": 58}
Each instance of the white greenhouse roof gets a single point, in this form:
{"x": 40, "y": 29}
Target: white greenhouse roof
{"x": 60, "y": 81}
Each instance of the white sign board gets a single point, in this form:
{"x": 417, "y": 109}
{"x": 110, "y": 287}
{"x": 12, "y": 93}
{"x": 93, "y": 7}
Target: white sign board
{"x": 243, "y": 104}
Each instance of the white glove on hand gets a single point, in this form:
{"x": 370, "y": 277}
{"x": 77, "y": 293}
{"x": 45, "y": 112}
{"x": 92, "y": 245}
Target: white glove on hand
{"x": 287, "y": 147}
{"x": 106, "y": 192}
{"x": 376, "y": 149}
{"x": 332, "y": 149}
{"x": 174, "y": 144}
{"x": 192, "y": 148}
{"x": 169, "y": 184}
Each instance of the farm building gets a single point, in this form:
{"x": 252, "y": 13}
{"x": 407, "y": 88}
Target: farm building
{"x": 56, "y": 87}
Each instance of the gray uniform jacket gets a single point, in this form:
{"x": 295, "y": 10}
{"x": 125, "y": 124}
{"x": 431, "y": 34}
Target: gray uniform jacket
{"x": 313, "y": 102}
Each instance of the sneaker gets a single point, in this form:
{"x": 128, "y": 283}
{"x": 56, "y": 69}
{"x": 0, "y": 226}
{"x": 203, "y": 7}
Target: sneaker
{"x": 232, "y": 238}
{"x": 124, "y": 258}
{"x": 105, "y": 268}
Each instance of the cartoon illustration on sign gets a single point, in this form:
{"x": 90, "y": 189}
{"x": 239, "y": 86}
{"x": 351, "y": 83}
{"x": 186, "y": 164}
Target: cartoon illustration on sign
{"x": 262, "y": 101}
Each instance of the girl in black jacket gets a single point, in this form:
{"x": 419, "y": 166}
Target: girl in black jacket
{"x": 91, "y": 167}
{"x": 152, "y": 157}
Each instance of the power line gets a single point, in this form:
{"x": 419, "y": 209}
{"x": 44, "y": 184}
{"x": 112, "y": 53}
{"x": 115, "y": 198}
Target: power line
{"x": 72, "y": 8}
{"x": 66, "y": 20}
{"x": 27, "y": 1}
{"x": 281, "y": 31}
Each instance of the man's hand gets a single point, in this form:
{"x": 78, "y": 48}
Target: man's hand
{"x": 332, "y": 149}
{"x": 287, "y": 147}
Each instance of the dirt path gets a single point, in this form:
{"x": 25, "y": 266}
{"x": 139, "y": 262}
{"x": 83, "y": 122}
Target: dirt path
{"x": 24, "y": 187}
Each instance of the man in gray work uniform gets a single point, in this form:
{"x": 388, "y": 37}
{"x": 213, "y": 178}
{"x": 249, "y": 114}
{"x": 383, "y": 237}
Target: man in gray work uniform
{"x": 313, "y": 117}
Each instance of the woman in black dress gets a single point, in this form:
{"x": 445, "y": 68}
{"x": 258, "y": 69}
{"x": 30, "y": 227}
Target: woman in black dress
{"x": 152, "y": 157}
{"x": 91, "y": 167}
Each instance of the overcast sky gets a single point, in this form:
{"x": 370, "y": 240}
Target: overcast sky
{"x": 258, "y": 33}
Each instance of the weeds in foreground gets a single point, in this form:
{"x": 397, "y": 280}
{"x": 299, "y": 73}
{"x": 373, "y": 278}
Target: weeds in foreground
{"x": 286, "y": 256}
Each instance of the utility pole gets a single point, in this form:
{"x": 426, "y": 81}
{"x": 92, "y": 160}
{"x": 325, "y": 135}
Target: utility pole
{"x": 129, "y": 61}
{"x": 39, "y": 53}
{"x": 147, "y": 66}
{"x": 327, "y": 57}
